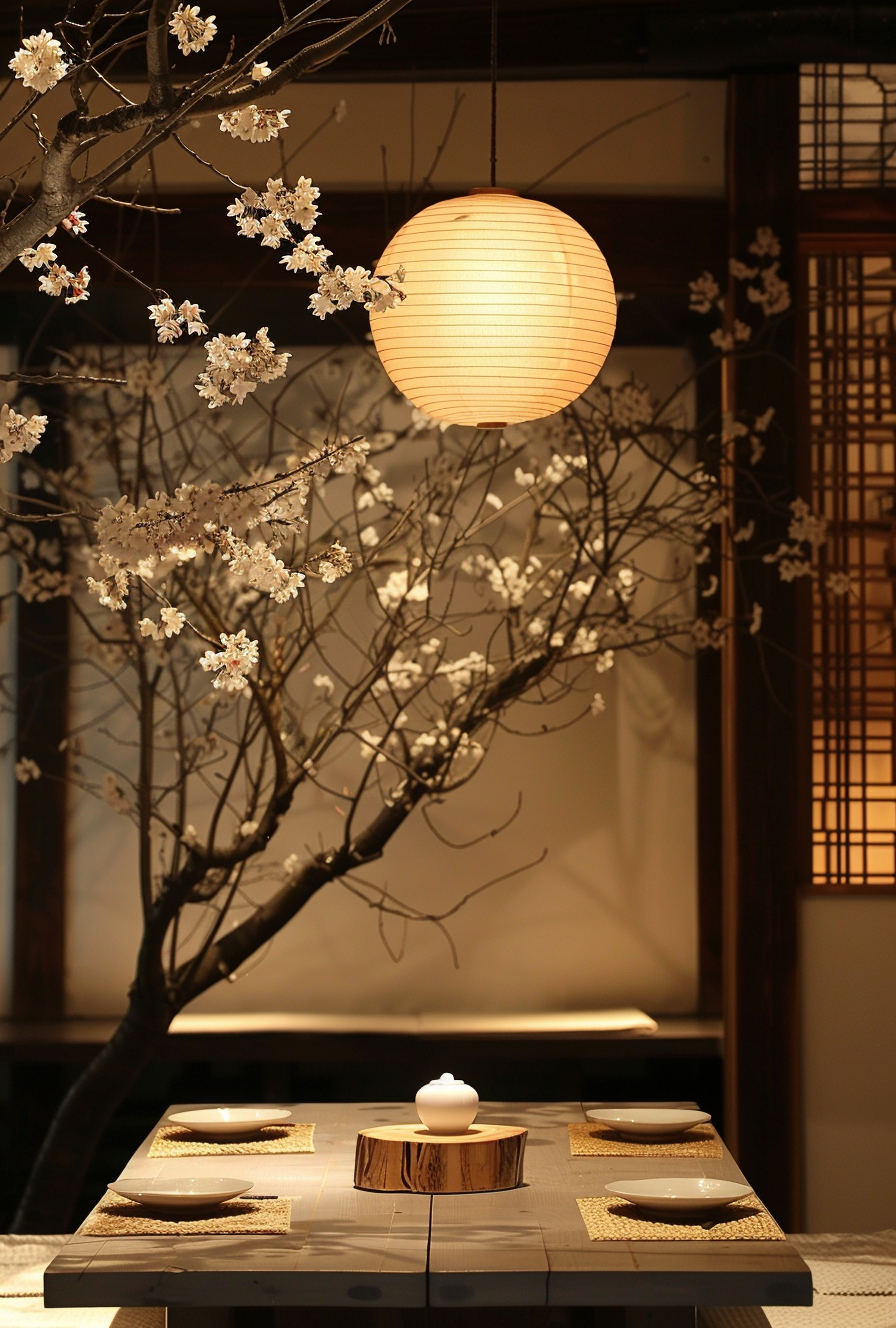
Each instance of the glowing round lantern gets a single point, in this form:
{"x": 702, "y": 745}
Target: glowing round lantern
{"x": 510, "y": 310}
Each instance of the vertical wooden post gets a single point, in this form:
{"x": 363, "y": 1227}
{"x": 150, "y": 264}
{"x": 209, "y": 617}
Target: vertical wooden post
{"x": 38, "y": 984}
{"x": 766, "y": 835}
{"x": 729, "y": 600}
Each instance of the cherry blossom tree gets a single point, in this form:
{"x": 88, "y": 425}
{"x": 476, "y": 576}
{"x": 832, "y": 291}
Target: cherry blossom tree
{"x": 269, "y": 607}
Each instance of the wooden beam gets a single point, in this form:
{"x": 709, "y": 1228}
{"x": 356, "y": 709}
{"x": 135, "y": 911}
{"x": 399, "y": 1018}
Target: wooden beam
{"x": 767, "y": 767}
{"x": 38, "y": 983}
{"x": 655, "y": 243}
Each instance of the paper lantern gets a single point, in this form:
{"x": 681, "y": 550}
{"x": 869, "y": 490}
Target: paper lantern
{"x": 510, "y": 310}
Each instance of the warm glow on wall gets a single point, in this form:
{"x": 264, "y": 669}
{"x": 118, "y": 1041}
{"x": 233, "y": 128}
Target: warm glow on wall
{"x": 509, "y": 315}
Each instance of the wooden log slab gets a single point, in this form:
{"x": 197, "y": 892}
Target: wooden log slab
{"x": 408, "y": 1157}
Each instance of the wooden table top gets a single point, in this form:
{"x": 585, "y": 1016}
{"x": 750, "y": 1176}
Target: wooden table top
{"x": 348, "y": 1247}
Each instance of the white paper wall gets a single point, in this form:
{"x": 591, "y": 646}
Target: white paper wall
{"x": 849, "y": 1035}
{"x": 608, "y": 918}
{"x": 679, "y": 150}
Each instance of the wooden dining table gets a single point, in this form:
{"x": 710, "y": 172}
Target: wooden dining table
{"x": 351, "y": 1248}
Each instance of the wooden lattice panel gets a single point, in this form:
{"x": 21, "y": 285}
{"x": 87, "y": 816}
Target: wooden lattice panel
{"x": 852, "y": 420}
{"x": 847, "y": 126}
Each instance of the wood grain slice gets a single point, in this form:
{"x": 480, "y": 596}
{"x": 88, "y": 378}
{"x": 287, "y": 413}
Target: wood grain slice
{"x": 408, "y": 1157}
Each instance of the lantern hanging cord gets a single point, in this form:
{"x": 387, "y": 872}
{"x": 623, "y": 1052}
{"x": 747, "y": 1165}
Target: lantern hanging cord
{"x": 494, "y": 156}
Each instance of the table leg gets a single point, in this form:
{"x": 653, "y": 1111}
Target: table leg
{"x": 660, "y": 1316}
{"x": 201, "y": 1316}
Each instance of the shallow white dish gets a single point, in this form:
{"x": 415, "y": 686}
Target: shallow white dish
{"x": 680, "y": 1194}
{"x": 217, "y": 1122}
{"x": 647, "y": 1122}
{"x": 182, "y": 1191}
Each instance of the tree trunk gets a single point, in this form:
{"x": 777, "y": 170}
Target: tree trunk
{"x": 85, "y": 1111}
{"x": 28, "y": 228}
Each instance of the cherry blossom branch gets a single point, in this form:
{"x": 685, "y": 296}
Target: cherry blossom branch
{"x": 311, "y": 57}
{"x": 58, "y": 379}
{"x": 160, "y": 115}
{"x": 138, "y": 207}
{"x": 161, "y": 92}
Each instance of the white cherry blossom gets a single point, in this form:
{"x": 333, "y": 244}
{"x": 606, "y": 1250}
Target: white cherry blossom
{"x": 57, "y": 280}
{"x": 171, "y": 621}
{"x": 43, "y": 255}
{"x": 193, "y": 32}
{"x": 335, "y": 563}
{"x": 252, "y": 124}
{"x": 261, "y": 567}
{"x": 397, "y": 591}
{"x": 370, "y": 746}
{"x": 170, "y": 321}
{"x": 39, "y": 62}
{"x": 704, "y": 293}
{"x": 19, "y": 433}
{"x": 115, "y": 795}
{"x": 232, "y": 664}
{"x": 75, "y": 222}
{"x": 236, "y": 365}
{"x": 271, "y": 213}
{"x": 145, "y": 376}
{"x": 401, "y": 675}
{"x": 463, "y": 674}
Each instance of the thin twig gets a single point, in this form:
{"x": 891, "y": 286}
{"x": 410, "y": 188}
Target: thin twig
{"x": 605, "y": 133}
{"x": 49, "y": 380}
{"x": 137, "y": 207}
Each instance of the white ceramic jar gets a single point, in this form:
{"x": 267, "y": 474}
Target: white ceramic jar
{"x": 447, "y": 1105}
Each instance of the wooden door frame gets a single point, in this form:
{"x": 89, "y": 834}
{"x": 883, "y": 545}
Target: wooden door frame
{"x": 765, "y": 689}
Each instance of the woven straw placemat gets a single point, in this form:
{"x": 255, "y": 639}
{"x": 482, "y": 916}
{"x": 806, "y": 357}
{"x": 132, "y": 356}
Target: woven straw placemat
{"x": 175, "y": 1141}
{"x": 235, "y": 1217}
{"x": 591, "y": 1139}
{"x": 617, "y": 1219}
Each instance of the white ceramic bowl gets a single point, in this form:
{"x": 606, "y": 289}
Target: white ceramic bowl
{"x": 679, "y": 1194}
{"x": 219, "y": 1122}
{"x": 182, "y": 1191}
{"x": 649, "y": 1122}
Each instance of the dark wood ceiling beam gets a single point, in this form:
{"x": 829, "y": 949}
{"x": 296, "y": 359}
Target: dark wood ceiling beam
{"x": 449, "y": 39}
{"x": 655, "y": 243}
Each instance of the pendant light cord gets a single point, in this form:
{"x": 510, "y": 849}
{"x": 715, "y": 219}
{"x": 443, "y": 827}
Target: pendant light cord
{"x": 494, "y": 160}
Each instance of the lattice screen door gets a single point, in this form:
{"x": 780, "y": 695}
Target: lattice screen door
{"x": 852, "y": 389}
{"x": 848, "y": 143}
